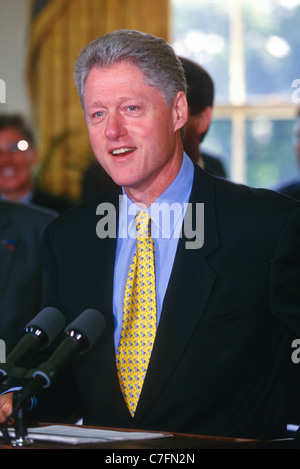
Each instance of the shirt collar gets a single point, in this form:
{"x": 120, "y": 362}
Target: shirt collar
{"x": 172, "y": 201}
{"x": 25, "y": 199}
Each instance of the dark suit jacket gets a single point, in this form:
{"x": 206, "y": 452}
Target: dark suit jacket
{"x": 219, "y": 363}
{"x": 53, "y": 202}
{"x": 213, "y": 165}
{"x": 292, "y": 189}
{"x": 21, "y": 229}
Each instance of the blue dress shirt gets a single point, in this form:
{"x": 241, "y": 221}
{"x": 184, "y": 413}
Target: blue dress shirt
{"x": 164, "y": 231}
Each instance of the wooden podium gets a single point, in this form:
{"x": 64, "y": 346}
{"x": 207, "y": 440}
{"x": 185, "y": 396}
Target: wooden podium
{"x": 160, "y": 444}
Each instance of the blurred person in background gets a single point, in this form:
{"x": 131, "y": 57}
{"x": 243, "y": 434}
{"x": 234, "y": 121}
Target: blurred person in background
{"x": 292, "y": 188}
{"x": 200, "y": 97}
{"x": 18, "y": 159}
{"x": 21, "y": 284}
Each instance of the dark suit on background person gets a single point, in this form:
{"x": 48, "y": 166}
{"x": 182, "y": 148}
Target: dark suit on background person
{"x": 220, "y": 360}
{"x": 292, "y": 187}
{"x": 21, "y": 229}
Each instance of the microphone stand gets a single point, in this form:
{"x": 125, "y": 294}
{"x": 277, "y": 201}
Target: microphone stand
{"x": 21, "y": 433}
{"x": 18, "y": 415}
{"x": 37, "y": 379}
{"x": 75, "y": 342}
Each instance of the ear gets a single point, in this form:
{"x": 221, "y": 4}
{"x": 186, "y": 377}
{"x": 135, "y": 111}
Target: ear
{"x": 180, "y": 108}
{"x": 203, "y": 120}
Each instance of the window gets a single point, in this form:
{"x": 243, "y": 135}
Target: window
{"x": 251, "y": 49}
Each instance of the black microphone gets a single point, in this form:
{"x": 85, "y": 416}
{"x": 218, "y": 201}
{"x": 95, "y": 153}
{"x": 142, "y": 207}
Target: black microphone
{"x": 80, "y": 336}
{"x": 40, "y": 332}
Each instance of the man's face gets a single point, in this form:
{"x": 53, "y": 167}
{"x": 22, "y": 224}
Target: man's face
{"x": 133, "y": 132}
{"x": 15, "y": 164}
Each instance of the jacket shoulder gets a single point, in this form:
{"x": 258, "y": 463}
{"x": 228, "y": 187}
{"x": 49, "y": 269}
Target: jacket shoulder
{"x": 82, "y": 217}
{"x": 239, "y": 197}
{"x": 30, "y": 214}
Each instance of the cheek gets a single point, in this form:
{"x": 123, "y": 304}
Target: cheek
{"x": 95, "y": 140}
{"x": 24, "y": 165}
{"x": 92, "y": 135}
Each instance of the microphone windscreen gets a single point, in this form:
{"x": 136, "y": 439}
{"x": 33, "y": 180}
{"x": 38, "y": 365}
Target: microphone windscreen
{"x": 50, "y": 320}
{"x": 91, "y": 323}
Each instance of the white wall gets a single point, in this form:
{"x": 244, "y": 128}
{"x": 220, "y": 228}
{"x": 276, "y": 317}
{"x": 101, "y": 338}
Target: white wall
{"x": 14, "y": 21}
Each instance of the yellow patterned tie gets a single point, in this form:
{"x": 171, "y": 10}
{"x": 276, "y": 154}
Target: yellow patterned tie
{"x": 139, "y": 316}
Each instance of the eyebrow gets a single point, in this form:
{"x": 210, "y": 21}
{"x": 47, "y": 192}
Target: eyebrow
{"x": 95, "y": 104}
{"x": 120, "y": 100}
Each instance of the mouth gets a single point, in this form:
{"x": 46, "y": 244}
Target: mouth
{"x": 122, "y": 151}
{"x": 7, "y": 172}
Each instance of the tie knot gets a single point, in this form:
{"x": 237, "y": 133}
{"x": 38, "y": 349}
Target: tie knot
{"x": 143, "y": 224}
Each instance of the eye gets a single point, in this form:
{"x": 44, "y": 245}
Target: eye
{"x": 98, "y": 114}
{"x": 96, "y": 117}
{"x": 132, "y": 108}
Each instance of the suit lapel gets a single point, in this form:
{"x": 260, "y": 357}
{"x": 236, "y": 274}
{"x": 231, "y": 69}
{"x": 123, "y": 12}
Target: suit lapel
{"x": 188, "y": 292}
{"x": 93, "y": 275}
{"x": 95, "y": 278}
{"x": 94, "y": 268}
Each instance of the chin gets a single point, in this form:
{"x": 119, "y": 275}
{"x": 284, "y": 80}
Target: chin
{"x": 122, "y": 179}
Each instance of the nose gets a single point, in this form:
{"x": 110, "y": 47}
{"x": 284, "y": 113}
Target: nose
{"x": 115, "y": 126}
{"x": 5, "y": 154}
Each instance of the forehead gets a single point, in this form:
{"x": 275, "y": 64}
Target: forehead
{"x": 120, "y": 73}
{"x": 120, "y": 80}
{"x": 8, "y": 134}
